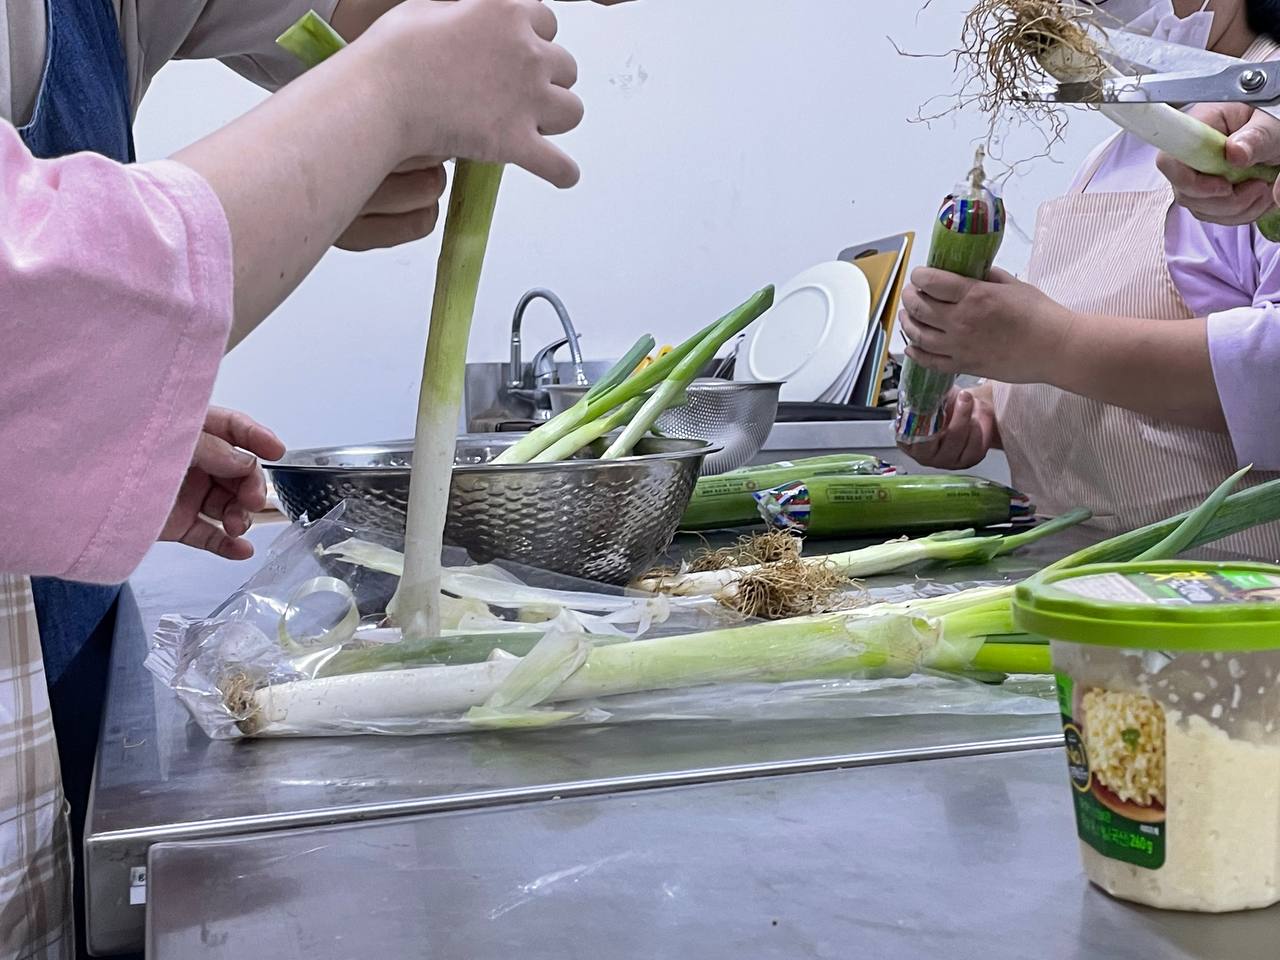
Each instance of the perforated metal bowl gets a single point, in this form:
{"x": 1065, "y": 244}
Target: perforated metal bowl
{"x": 736, "y": 416}
{"x": 595, "y": 519}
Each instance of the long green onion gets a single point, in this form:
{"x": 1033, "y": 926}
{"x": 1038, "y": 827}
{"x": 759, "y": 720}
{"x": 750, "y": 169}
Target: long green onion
{"x": 466, "y": 235}
{"x": 684, "y": 372}
{"x": 953, "y": 547}
{"x": 416, "y": 605}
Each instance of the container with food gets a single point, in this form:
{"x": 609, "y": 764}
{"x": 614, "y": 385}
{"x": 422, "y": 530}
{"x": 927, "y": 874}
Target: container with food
{"x": 1168, "y": 678}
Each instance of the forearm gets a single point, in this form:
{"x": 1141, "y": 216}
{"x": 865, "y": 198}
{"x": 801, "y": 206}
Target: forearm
{"x": 1160, "y": 368}
{"x": 293, "y": 173}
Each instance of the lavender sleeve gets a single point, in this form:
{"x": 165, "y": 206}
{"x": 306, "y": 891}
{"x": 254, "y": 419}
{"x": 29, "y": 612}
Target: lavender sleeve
{"x": 1232, "y": 276}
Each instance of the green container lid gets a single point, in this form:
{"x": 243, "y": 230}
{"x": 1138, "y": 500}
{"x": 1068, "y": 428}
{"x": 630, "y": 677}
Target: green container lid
{"x": 1165, "y": 605}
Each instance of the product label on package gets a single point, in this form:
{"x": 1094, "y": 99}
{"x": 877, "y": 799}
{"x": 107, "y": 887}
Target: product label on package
{"x": 1116, "y": 761}
{"x": 1186, "y": 588}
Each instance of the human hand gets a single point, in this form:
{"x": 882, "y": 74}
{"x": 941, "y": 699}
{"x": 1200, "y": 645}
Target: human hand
{"x": 1253, "y": 136}
{"x": 999, "y": 328}
{"x": 478, "y": 79}
{"x": 224, "y": 483}
{"x": 404, "y": 208}
{"x": 968, "y": 434}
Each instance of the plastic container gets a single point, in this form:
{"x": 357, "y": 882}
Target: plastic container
{"x": 1168, "y": 680}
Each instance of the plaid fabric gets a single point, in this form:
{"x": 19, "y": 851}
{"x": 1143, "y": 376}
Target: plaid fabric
{"x": 35, "y": 857}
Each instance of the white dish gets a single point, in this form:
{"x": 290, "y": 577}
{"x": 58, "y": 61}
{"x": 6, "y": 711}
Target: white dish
{"x": 812, "y": 334}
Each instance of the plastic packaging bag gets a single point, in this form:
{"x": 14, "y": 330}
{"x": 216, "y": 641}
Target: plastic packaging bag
{"x": 301, "y": 650}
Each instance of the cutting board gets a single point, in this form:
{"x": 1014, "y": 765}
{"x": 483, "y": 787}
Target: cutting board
{"x": 872, "y": 258}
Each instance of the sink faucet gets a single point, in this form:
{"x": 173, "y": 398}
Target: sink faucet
{"x": 542, "y": 364}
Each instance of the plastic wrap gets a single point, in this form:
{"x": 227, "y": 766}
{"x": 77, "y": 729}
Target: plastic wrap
{"x": 302, "y": 650}
{"x": 966, "y": 238}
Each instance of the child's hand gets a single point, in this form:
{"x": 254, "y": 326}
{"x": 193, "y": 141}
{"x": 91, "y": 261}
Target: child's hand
{"x": 967, "y": 437}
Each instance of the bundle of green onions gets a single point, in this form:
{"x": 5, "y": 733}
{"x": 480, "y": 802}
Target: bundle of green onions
{"x": 972, "y": 630}
{"x": 792, "y": 584}
{"x": 967, "y": 234}
{"x": 1015, "y": 45}
{"x": 727, "y": 499}
{"x": 634, "y": 398}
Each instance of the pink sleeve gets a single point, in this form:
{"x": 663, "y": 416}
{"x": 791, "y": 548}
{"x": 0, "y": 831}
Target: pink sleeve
{"x": 115, "y": 305}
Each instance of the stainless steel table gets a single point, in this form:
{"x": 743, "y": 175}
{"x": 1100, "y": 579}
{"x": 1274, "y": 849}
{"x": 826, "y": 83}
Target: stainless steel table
{"x": 968, "y": 859}
{"x": 158, "y": 778}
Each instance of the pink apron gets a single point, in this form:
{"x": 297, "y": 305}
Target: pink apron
{"x": 1104, "y": 253}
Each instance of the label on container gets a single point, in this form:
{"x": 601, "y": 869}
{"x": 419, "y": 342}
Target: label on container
{"x": 1189, "y": 588}
{"x": 1115, "y": 744}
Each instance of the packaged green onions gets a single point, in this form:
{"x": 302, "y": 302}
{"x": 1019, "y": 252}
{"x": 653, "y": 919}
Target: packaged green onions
{"x": 728, "y": 499}
{"x": 851, "y": 506}
{"x": 966, "y": 239}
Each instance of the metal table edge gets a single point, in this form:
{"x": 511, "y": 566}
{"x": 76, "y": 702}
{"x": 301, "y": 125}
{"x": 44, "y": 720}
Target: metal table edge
{"x": 578, "y": 788}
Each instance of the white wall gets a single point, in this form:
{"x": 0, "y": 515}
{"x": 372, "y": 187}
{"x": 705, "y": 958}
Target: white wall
{"x": 728, "y": 143}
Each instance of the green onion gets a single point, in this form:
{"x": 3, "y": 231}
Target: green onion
{"x": 416, "y": 605}
{"x": 590, "y": 432}
{"x": 953, "y": 547}
{"x": 466, "y": 235}
{"x": 689, "y": 366}
{"x": 848, "y": 506}
{"x": 1239, "y": 512}
{"x": 1190, "y": 528}
{"x": 967, "y": 234}
{"x": 623, "y": 368}
{"x": 947, "y": 633}
{"x": 726, "y": 499}
{"x": 670, "y": 375}
{"x": 588, "y": 409}
{"x": 311, "y": 40}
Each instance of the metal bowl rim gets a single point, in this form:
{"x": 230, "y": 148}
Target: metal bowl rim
{"x": 696, "y": 448}
{"x": 702, "y": 383}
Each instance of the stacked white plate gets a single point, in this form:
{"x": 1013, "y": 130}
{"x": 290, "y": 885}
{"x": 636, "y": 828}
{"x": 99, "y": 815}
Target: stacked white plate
{"x": 815, "y": 336}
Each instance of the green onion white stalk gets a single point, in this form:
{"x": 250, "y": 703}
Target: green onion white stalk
{"x": 466, "y": 235}
{"x": 416, "y": 605}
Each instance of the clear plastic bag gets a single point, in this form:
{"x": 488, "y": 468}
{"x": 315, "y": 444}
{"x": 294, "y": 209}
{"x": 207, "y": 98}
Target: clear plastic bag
{"x": 301, "y": 650}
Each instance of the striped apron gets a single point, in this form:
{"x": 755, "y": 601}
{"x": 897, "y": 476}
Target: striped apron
{"x": 1069, "y": 451}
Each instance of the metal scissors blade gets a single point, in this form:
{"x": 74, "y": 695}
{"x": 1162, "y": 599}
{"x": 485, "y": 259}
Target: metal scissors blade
{"x": 1158, "y": 56}
{"x": 1254, "y": 83}
{"x": 1203, "y": 77}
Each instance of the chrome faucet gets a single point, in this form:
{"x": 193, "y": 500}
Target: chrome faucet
{"x": 543, "y": 372}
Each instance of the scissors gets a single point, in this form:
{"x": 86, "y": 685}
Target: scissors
{"x": 1202, "y": 76}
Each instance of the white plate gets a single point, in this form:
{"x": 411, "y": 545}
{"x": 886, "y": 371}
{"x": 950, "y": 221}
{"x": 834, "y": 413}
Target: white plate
{"x": 811, "y": 334}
